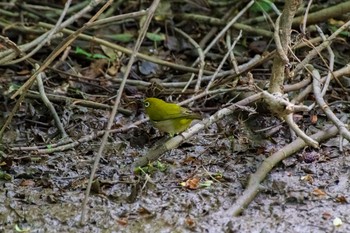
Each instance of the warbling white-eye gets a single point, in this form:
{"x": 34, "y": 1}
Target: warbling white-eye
{"x": 169, "y": 117}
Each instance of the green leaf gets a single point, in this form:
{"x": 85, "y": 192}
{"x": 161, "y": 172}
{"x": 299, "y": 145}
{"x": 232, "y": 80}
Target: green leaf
{"x": 161, "y": 166}
{"x": 206, "y": 184}
{"x": 13, "y": 87}
{"x": 343, "y": 33}
{"x": 99, "y": 56}
{"x": 124, "y": 37}
{"x": 81, "y": 51}
{"x": 109, "y": 52}
{"x": 163, "y": 10}
{"x": 24, "y": 229}
{"x": 261, "y": 6}
{"x": 155, "y": 37}
{"x": 5, "y": 176}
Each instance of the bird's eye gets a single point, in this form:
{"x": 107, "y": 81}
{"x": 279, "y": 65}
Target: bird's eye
{"x": 147, "y": 104}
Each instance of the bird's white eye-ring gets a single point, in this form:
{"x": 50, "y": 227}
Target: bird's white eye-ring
{"x": 147, "y": 104}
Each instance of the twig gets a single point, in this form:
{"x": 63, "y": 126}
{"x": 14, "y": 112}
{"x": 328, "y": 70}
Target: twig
{"x": 309, "y": 141}
{"x": 317, "y": 50}
{"x": 331, "y": 63}
{"x": 214, "y": 29}
{"x": 282, "y": 36}
{"x": 338, "y": 73}
{"x": 324, "y": 14}
{"x": 269, "y": 163}
{"x": 280, "y": 50}
{"x": 129, "y": 52}
{"x": 218, "y": 69}
{"x": 24, "y": 88}
{"x": 9, "y": 43}
{"x": 344, "y": 132}
{"x": 303, "y": 29}
{"x": 284, "y": 109}
{"x": 201, "y": 58}
{"x": 79, "y": 102}
{"x": 49, "y": 104}
{"x": 115, "y": 18}
{"x": 330, "y": 66}
{"x": 7, "y": 55}
{"x": 281, "y": 105}
{"x": 57, "y": 51}
{"x": 224, "y": 30}
{"x": 253, "y": 62}
{"x": 297, "y": 86}
{"x": 233, "y": 60}
{"x": 142, "y": 34}
{"x": 47, "y": 38}
{"x": 215, "y": 21}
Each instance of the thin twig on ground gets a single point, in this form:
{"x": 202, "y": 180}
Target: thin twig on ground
{"x": 225, "y": 29}
{"x": 55, "y": 53}
{"x": 140, "y": 38}
{"x": 317, "y": 50}
{"x": 201, "y": 58}
{"x": 49, "y": 104}
{"x": 269, "y": 163}
{"x": 223, "y": 60}
{"x": 344, "y": 132}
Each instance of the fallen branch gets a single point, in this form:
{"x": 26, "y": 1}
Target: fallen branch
{"x": 253, "y": 187}
{"x": 344, "y": 132}
{"x": 49, "y": 105}
{"x": 284, "y": 109}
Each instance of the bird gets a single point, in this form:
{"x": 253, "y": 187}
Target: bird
{"x": 169, "y": 117}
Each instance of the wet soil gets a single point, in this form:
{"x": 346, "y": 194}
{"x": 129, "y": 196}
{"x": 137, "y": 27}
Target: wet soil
{"x": 305, "y": 193}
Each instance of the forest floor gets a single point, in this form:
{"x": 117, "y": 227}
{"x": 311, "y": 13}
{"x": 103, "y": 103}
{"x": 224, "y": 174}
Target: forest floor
{"x": 191, "y": 187}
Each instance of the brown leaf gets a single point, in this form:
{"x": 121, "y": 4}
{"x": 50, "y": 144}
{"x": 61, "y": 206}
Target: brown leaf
{"x": 143, "y": 211}
{"x": 27, "y": 183}
{"x": 318, "y": 192}
{"x": 313, "y": 119}
{"x": 308, "y": 178}
{"x": 123, "y": 221}
{"x": 191, "y": 160}
{"x": 326, "y": 215}
{"x": 341, "y": 199}
{"x": 191, "y": 183}
{"x": 190, "y": 222}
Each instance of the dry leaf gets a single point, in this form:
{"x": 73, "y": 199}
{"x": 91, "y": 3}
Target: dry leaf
{"x": 318, "y": 192}
{"x": 123, "y": 221}
{"x": 191, "y": 183}
{"x": 27, "y": 183}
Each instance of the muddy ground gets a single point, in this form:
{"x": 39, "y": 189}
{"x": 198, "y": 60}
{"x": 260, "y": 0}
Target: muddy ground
{"x": 305, "y": 193}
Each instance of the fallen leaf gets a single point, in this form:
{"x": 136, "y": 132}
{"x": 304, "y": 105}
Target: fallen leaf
{"x": 341, "y": 199}
{"x": 326, "y": 215}
{"x": 190, "y": 222}
{"x": 27, "y": 183}
{"x": 191, "y": 183}
{"x": 318, "y": 192}
{"x": 123, "y": 221}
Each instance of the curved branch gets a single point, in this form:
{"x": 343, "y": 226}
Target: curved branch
{"x": 344, "y": 132}
{"x": 253, "y": 187}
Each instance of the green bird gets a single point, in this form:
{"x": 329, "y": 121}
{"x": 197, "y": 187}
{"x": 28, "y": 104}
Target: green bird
{"x": 168, "y": 117}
